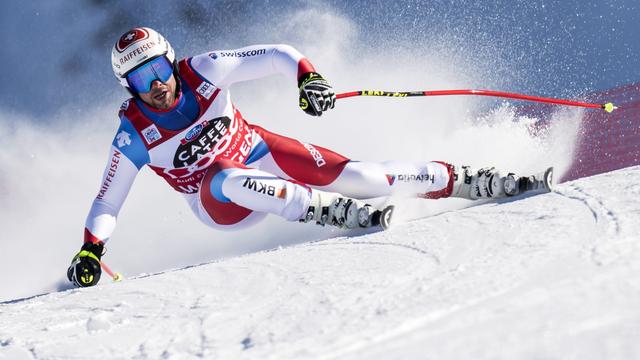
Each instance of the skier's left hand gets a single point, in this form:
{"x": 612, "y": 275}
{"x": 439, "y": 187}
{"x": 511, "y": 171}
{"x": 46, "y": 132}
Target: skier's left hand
{"x": 85, "y": 267}
{"x": 316, "y": 95}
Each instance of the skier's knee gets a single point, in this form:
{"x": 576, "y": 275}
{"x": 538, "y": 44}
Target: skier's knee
{"x": 217, "y": 174}
{"x": 224, "y": 164}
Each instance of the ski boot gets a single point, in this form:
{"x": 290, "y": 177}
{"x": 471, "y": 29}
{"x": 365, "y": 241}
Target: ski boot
{"x": 343, "y": 212}
{"x": 488, "y": 183}
{"x": 542, "y": 182}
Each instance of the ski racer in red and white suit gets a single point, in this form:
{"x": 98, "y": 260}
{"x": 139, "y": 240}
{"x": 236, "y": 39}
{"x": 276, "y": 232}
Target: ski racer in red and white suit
{"x": 204, "y": 159}
{"x": 233, "y": 173}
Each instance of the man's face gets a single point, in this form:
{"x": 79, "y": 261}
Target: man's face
{"x": 162, "y": 95}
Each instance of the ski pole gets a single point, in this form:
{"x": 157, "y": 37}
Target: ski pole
{"x": 114, "y": 275}
{"x": 608, "y": 107}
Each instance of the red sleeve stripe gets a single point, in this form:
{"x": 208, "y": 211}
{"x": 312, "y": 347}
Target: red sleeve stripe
{"x": 304, "y": 66}
{"x": 89, "y": 237}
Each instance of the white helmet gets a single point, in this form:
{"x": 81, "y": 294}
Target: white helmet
{"x": 134, "y": 48}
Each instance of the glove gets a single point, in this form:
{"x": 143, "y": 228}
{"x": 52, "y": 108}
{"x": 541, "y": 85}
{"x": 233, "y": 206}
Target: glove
{"x": 316, "y": 95}
{"x": 85, "y": 267}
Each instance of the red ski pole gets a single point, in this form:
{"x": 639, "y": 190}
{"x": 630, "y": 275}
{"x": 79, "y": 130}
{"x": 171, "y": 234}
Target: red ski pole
{"x": 608, "y": 107}
{"x": 114, "y": 275}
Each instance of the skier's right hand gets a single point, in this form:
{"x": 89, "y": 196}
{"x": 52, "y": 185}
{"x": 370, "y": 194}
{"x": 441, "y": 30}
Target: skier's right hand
{"x": 316, "y": 95}
{"x": 85, "y": 267}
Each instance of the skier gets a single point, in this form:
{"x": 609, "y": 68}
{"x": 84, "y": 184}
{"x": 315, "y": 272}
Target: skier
{"x": 180, "y": 121}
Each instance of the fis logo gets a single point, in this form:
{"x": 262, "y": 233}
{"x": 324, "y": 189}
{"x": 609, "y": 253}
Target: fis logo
{"x": 151, "y": 134}
{"x": 262, "y": 188}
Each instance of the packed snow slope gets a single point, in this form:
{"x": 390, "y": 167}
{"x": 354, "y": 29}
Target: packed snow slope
{"x": 549, "y": 276}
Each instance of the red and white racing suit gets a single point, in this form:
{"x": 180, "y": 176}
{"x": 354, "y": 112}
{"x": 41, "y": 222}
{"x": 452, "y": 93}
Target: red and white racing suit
{"x": 233, "y": 173}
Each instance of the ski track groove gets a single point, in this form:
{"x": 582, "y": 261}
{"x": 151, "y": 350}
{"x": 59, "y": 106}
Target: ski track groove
{"x": 410, "y": 326}
{"x": 604, "y": 218}
{"x": 599, "y": 210}
{"x": 32, "y": 350}
{"x": 195, "y": 305}
{"x": 270, "y": 309}
{"x": 322, "y": 296}
{"x": 141, "y": 354}
{"x": 380, "y": 243}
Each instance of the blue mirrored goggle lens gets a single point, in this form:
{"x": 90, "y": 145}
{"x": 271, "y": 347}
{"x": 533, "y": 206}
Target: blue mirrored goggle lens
{"x": 140, "y": 79}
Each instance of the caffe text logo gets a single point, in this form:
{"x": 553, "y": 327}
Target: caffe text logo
{"x": 206, "y": 141}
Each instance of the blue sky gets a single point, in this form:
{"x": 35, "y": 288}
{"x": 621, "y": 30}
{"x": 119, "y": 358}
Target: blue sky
{"x": 58, "y": 51}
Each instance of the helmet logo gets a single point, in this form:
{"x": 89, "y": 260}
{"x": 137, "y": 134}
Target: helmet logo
{"x": 131, "y": 37}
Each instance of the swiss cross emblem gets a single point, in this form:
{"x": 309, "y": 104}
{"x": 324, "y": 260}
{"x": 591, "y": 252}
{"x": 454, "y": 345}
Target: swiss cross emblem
{"x": 131, "y": 37}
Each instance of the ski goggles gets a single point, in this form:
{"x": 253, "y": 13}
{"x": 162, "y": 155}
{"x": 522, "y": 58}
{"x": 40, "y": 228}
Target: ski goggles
{"x": 140, "y": 79}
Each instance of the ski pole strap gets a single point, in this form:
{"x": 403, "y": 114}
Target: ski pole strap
{"x": 608, "y": 107}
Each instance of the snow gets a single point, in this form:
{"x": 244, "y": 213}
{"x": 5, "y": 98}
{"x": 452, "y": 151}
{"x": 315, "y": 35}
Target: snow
{"x": 552, "y": 276}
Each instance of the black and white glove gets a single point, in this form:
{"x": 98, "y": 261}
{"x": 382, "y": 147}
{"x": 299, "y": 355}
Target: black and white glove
{"x": 316, "y": 95}
{"x": 85, "y": 267}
